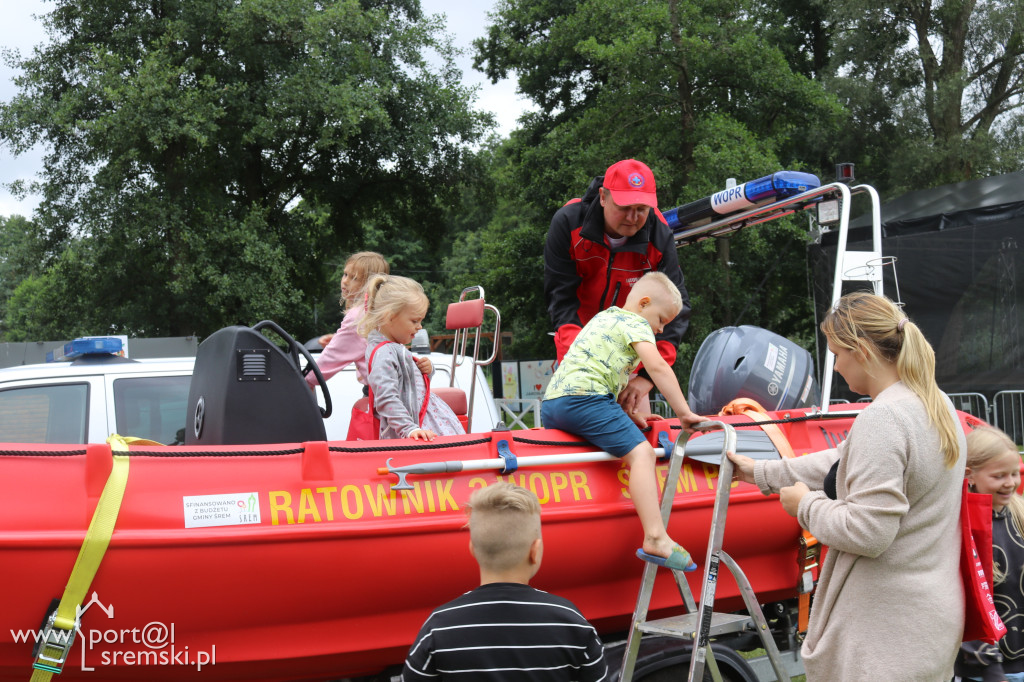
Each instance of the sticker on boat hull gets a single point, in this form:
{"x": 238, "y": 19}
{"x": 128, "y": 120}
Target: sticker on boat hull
{"x": 228, "y": 509}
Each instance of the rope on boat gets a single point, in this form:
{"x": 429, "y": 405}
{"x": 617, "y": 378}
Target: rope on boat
{"x": 48, "y": 453}
{"x": 563, "y": 443}
{"x": 173, "y": 452}
{"x": 787, "y": 420}
{"x": 424, "y": 446}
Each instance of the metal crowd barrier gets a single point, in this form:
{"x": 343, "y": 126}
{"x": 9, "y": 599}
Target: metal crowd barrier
{"x": 972, "y": 403}
{"x": 1008, "y": 414}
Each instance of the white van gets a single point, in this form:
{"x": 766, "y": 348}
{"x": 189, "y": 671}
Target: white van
{"x": 94, "y": 395}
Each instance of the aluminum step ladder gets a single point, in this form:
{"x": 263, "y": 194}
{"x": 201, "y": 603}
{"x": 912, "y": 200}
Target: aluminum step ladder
{"x": 701, "y": 623}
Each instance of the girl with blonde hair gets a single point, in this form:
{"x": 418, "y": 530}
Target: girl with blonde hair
{"x": 347, "y": 346}
{"x": 889, "y": 603}
{"x": 993, "y": 468}
{"x": 395, "y": 310}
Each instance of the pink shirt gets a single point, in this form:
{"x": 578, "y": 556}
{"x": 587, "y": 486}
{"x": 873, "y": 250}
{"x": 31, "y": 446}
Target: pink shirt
{"x": 345, "y": 347}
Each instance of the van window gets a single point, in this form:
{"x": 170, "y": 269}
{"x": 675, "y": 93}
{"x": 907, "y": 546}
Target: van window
{"x": 52, "y": 413}
{"x": 152, "y": 407}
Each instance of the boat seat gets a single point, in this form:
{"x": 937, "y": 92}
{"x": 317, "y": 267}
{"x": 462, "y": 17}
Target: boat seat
{"x": 460, "y": 316}
{"x": 456, "y": 399}
{"x": 245, "y": 390}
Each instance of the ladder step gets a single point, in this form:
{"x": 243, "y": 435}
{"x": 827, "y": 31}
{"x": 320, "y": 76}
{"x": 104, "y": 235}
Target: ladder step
{"x": 685, "y": 626}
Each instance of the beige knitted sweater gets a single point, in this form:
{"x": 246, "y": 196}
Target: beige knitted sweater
{"x": 889, "y": 603}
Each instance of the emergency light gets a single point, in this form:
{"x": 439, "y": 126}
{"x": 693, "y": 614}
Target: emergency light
{"x": 774, "y": 187}
{"x": 86, "y": 345}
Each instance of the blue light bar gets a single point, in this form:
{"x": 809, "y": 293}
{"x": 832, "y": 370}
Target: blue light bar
{"x": 89, "y": 345}
{"x": 774, "y": 187}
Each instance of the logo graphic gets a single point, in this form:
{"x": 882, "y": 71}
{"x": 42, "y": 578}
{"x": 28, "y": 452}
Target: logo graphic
{"x": 635, "y": 179}
{"x": 109, "y": 610}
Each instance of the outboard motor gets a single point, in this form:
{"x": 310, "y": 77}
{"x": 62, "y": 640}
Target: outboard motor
{"x": 751, "y": 362}
{"x": 245, "y": 390}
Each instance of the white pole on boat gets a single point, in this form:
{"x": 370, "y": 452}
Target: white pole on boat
{"x": 502, "y": 463}
{"x": 491, "y": 463}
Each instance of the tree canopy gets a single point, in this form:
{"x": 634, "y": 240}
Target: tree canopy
{"x": 206, "y": 158}
{"x": 211, "y": 162}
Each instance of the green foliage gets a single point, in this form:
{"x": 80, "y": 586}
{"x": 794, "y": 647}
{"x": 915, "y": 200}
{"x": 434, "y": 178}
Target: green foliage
{"x": 20, "y": 254}
{"x": 214, "y": 162}
{"x": 209, "y": 159}
{"x": 693, "y": 89}
{"x": 934, "y": 89}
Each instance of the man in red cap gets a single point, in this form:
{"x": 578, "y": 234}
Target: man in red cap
{"x": 597, "y": 248}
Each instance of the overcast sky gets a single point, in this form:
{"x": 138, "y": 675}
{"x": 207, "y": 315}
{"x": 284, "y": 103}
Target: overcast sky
{"x": 20, "y": 30}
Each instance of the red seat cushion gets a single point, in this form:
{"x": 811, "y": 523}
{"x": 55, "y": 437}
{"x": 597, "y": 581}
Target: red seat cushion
{"x": 465, "y": 314}
{"x": 455, "y": 397}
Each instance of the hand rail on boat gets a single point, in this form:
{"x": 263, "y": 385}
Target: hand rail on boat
{"x": 850, "y": 265}
{"x": 461, "y": 337}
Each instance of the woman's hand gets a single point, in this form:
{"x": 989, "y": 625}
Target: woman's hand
{"x": 791, "y": 495}
{"x": 422, "y": 434}
{"x": 743, "y": 467}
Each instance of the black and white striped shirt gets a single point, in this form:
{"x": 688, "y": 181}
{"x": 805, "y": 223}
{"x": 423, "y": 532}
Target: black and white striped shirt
{"x": 505, "y": 632}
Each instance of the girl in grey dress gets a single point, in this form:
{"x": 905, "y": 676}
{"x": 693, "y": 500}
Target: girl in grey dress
{"x": 396, "y": 307}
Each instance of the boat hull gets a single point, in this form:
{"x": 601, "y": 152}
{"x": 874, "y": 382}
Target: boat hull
{"x": 331, "y": 573}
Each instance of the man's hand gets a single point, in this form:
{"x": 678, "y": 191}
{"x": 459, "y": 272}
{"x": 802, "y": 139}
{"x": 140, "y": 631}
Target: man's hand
{"x": 634, "y": 395}
{"x": 791, "y": 495}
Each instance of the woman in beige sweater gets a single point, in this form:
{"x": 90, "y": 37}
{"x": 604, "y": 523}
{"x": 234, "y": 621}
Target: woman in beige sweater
{"x": 889, "y": 603}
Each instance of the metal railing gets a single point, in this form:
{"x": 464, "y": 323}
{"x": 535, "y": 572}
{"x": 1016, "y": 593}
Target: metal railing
{"x": 1008, "y": 414}
{"x": 516, "y": 409}
{"x": 972, "y": 403}
{"x": 661, "y": 408}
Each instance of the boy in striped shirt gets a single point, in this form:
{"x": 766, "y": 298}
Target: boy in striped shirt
{"x": 506, "y": 630}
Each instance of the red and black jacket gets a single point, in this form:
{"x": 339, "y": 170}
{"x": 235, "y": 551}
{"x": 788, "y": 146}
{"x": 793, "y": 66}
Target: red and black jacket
{"x": 583, "y": 275}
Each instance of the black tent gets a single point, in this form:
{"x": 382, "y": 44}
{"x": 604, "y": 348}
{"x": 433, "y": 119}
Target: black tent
{"x": 960, "y": 273}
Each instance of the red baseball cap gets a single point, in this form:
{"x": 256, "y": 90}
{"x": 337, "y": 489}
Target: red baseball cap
{"x": 631, "y": 182}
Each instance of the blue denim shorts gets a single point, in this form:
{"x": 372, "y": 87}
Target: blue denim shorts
{"x": 596, "y": 418}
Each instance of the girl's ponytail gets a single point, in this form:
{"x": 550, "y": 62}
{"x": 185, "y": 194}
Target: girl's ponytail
{"x": 386, "y": 296}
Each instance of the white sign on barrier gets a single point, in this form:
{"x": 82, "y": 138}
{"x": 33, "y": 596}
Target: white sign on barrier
{"x": 510, "y": 380}
{"x": 534, "y": 377}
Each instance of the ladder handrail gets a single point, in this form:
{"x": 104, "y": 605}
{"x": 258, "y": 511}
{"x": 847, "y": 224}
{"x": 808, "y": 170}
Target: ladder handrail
{"x": 702, "y": 652}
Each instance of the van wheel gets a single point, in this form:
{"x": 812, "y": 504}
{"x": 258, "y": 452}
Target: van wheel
{"x": 678, "y": 672}
{"x": 734, "y": 668}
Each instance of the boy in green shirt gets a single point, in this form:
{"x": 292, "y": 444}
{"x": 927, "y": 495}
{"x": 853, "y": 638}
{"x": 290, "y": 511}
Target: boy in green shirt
{"x": 581, "y": 398}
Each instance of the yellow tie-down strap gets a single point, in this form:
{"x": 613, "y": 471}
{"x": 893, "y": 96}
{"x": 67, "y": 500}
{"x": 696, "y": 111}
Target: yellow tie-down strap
{"x": 810, "y": 548}
{"x": 60, "y": 627}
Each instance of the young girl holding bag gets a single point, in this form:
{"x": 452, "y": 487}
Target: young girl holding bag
{"x": 396, "y": 307}
{"x": 993, "y": 468}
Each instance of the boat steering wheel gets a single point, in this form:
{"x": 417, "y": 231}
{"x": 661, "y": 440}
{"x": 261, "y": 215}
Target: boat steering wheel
{"x": 294, "y": 348}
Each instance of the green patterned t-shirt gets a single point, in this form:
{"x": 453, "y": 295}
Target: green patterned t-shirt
{"x": 602, "y": 357}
